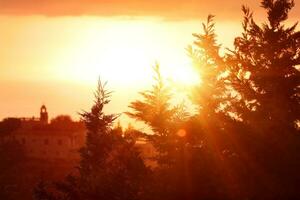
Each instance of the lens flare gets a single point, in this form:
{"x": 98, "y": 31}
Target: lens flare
{"x": 181, "y": 133}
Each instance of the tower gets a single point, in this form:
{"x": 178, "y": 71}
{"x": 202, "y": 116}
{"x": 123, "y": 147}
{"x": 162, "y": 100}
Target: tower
{"x": 43, "y": 115}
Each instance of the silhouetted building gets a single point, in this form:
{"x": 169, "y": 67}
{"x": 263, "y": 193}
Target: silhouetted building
{"x": 52, "y": 148}
{"x": 50, "y": 141}
{"x": 29, "y": 122}
{"x": 61, "y": 139}
{"x": 44, "y": 115}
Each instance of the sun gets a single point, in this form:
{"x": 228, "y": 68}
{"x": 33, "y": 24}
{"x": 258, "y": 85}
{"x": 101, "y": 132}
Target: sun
{"x": 127, "y": 58}
{"x": 182, "y": 74}
{"x": 185, "y": 76}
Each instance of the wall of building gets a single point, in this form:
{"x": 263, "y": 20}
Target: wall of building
{"x": 45, "y": 145}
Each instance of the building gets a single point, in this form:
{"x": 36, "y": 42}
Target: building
{"x": 52, "y": 149}
{"x": 60, "y": 140}
{"x": 50, "y": 141}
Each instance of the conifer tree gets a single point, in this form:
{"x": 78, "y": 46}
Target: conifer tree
{"x": 110, "y": 166}
{"x": 182, "y": 162}
{"x": 265, "y": 73}
{"x": 12, "y": 155}
{"x": 266, "y": 58}
{"x": 158, "y": 113}
{"x": 212, "y": 93}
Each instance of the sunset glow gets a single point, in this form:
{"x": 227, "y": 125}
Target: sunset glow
{"x": 149, "y": 99}
{"x": 43, "y": 46}
{"x": 124, "y": 53}
{"x": 77, "y": 50}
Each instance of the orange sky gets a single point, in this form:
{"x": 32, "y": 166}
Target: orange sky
{"x": 52, "y": 52}
{"x": 176, "y": 9}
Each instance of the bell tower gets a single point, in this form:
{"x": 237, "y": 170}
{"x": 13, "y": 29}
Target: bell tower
{"x": 43, "y": 115}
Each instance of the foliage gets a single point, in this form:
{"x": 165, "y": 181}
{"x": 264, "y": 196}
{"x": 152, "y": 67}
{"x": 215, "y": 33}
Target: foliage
{"x": 155, "y": 109}
{"x": 12, "y": 157}
{"x": 264, "y": 73}
{"x": 183, "y": 162}
{"x": 269, "y": 54}
{"x": 211, "y": 92}
{"x": 163, "y": 118}
{"x": 110, "y": 166}
{"x": 65, "y": 123}
{"x": 8, "y": 125}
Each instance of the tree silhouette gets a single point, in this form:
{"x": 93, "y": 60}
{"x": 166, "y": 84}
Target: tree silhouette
{"x": 110, "y": 166}
{"x": 8, "y": 125}
{"x": 162, "y": 117}
{"x": 208, "y": 95}
{"x": 183, "y": 162}
{"x": 264, "y": 73}
{"x": 269, "y": 55}
{"x": 155, "y": 110}
{"x": 12, "y": 156}
{"x": 214, "y": 96}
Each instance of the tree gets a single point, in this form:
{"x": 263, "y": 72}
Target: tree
{"x": 110, "y": 166}
{"x": 12, "y": 157}
{"x": 264, "y": 73}
{"x": 65, "y": 123}
{"x": 182, "y": 160}
{"x": 157, "y": 111}
{"x": 217, "y": 125}
{"x": 267, "y": 56}
{"x": 214, "y": 95}
{"x": 209, "y": 94}
{"x": 8, "y": 125}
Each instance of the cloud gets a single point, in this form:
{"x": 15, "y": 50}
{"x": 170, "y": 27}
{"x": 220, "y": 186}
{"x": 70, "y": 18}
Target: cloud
{"x": 174, "y": 9}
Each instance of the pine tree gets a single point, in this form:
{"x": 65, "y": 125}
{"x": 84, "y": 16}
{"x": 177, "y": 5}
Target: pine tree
{"x": 12, "y": 155}
{"x": 99, "y": 140}
{"x": 267, "y": 57}
{"x": 155, "y": 110}
{"x": 159, "y": 114}
{"x": 264, "y": 73}
{"x": 182, "y": 161}
{"x": 210, "y": 94}
{"x": 110, "y": 166}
